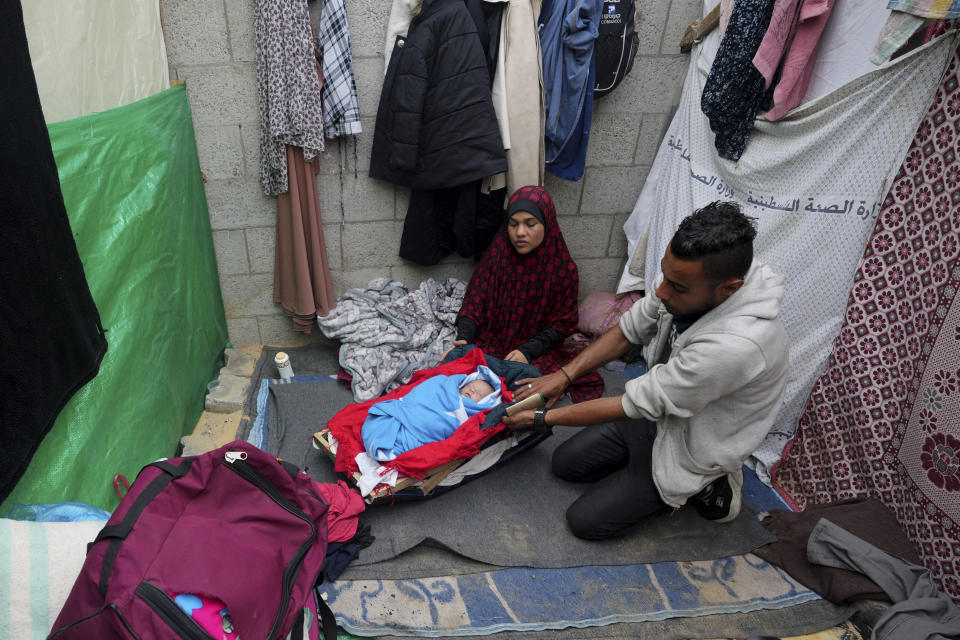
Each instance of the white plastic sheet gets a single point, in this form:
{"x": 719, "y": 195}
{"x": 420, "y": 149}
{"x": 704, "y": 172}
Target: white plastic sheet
{"x": 94, "y": 55}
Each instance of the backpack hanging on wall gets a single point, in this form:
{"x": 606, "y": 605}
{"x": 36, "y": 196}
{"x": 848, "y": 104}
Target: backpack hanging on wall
{"x": 616, "y": 45}
{"x": 233, "y": 535}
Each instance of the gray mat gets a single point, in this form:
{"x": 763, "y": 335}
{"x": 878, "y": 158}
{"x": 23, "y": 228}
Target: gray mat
{"x": 511, "y": 517}
{"x": 319, "y": 359}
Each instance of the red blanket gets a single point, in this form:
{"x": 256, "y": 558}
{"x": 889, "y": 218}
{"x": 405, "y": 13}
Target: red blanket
{"x": 464, "y": 443}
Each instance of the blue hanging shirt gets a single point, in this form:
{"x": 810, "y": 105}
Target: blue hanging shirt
{"x": 568, "y": 30}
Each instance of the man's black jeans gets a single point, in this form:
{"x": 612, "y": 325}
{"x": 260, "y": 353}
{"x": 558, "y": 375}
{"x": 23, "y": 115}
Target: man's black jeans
{"x": 618, "y": 458}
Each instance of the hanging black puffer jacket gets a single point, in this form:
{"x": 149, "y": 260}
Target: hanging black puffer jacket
{"x": 436, "y": 126}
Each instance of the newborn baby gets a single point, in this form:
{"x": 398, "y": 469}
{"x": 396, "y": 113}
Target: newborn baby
{"x": 476, "y": 390}
{"x": 431, "y": 411}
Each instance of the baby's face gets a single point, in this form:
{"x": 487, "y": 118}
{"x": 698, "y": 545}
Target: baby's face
{"x": 476, "y": 390}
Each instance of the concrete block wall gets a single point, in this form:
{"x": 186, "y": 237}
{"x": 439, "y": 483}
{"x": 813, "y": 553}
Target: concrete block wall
{"x": 210, "y": 45}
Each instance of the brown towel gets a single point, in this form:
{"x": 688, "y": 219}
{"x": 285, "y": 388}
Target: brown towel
{"x": 866, "y": 518}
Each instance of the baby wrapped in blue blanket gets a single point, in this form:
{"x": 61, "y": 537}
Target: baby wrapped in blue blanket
{"x": 432, "y": 411}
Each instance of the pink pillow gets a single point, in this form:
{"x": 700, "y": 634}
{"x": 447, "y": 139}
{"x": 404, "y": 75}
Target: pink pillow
{"x": 601, "y": 310}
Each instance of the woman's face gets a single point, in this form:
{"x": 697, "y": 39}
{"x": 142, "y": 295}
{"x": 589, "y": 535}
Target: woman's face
{"x": 525, "y": 232}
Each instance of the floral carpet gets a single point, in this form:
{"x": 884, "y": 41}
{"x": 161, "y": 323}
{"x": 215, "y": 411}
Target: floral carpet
{"x": 884, "y": 417}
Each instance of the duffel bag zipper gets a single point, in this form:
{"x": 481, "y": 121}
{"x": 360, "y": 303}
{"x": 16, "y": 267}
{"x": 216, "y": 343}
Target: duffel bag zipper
{"x": 170, "y": 612}
{"x": 236, "y": 461}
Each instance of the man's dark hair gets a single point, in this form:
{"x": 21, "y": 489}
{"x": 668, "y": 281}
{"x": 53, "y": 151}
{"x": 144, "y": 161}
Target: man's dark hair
{"x": 720, "y": 237}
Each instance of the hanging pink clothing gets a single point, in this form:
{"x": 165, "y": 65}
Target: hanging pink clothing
{"x": 345, "y": 507}
{"x": 793, "y": 35}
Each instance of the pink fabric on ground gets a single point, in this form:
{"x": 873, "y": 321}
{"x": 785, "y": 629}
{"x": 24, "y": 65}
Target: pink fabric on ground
{"x": 345, "y": 507}
{"x": 793, "y": 35}
{"x": 601, "y": 310}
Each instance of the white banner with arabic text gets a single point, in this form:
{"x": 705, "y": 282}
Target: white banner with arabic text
{"x": 814, "y": 181}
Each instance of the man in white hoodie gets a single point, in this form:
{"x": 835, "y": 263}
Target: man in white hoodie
{"x": 717, "y": 369}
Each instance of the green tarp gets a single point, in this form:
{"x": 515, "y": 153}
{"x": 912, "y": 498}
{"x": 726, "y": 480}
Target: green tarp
{"x": 134, "y": 195}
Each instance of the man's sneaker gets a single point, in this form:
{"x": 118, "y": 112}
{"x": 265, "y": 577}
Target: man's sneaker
{"x": 721, "y": 499}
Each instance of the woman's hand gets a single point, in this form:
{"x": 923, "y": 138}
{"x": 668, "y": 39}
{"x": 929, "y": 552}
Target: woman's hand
{"x": 456, "y": 343}
{"x": 552, "y": 386}
{"x": 517, "y": 356}
{"x": 518, "y": 421}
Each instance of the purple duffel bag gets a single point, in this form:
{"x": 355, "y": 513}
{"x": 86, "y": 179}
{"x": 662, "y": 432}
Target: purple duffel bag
{"x": 231, "y": 526}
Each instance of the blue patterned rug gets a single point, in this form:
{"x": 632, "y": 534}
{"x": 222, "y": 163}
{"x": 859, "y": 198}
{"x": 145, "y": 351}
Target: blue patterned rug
{"x": 542, "y": 599}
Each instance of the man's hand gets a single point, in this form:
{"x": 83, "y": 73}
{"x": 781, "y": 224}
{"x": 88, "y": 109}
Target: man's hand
{"x": 518, "y": 421}
{"x": 516, "y": 356}
{"x": 552, "y": 387}
{"x": 456, "y": 343}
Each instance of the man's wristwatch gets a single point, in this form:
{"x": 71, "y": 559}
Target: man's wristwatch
{"x": 540, "y": 421}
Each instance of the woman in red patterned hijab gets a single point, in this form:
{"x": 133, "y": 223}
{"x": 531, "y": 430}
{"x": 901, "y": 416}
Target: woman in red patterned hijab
{"x": 521, "y": 303}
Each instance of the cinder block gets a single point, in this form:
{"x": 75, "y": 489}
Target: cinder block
{"x": 618, "y": 239}
{"x": 412, "y": 275}
{"x": 243, "y": 45}
{"x": 216, "y": 428}
{"x": 363, "y": 199}
{"x": 196, "y": 444}
{"x": 401, "y": 200}
{"x": 243, "y": 331}
{"x": 371, "y": 244}
{"x": 565, "y": 194}
{"x": 195, "y": 32}
{"x": 612, "y": 189}
{"x": 344, "y": 279}
{"x": 331, "y": 233}
{"x": 231, "y": 252}
{"x": 330, "y": 158}
{"x": 652, "y": 128}
{"x": 653, "y": 86}
{"x": 682, "y": 15}
{"x": 314, "y": 9}
{"x": 220, "y": 151}
{"x": 599, "y": 274}
{"x": 277, "y": 330}
{"x": 613, "y": 139}
{"x": 368, "y": 26}
{"x": 238, "y": 363}
{"x": 229, "y": 394}
{"x": 250, "y": 140}
{"x": 235, "y": 204}
{"x": 586, "y": 236}
{"x": 653, "y": 15}
{"x": 250, "y": 295}
{"x": 261, "y": 247}
{"x": 368, "y": 74}
{"x": 222, "y": 93}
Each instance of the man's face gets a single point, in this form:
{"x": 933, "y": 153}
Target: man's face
{"x": 685, "y": 289}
